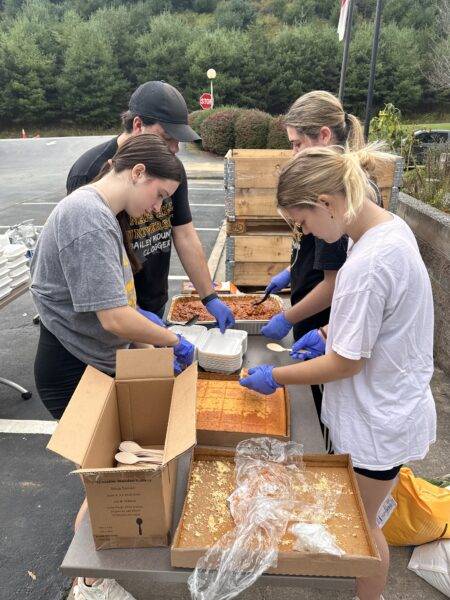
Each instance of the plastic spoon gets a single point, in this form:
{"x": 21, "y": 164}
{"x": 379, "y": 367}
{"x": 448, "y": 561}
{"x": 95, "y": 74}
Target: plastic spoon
{"x": 126, "y": 458}
{"x": 278, "y": 348}
{"x": 134, "y": 448}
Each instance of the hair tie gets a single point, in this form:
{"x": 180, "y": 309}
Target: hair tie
{"x": 346, "y": 118}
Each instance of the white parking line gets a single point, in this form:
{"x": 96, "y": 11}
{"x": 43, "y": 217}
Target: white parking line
{"x": 207, "y": 229}
{"x": 19, "y": 426}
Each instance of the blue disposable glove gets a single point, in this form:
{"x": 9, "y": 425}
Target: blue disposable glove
{"x": 279, "y": 282}
{"x": 277, "y": 328}
{"x": 151, "y": 317}
{"x": 221, "y": 312}
{"x": 312, "y": 343}
{"x": 260, "y": 379}
{"x": 184, "y": 354}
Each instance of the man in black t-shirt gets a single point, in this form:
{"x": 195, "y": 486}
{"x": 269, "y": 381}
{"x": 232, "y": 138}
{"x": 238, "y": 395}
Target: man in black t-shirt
{"x": 157, "y": 107}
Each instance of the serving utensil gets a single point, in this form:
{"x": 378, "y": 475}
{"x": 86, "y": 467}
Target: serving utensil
{"x": 192, "y": 321}
{"x": 134, "y": 448}
{"x": 278, "y": 348}
{"x": 264, "y": 298}
{"x": 127, "y": 458}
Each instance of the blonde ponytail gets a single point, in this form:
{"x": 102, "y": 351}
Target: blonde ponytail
{"x": 330, "y": 170}
{"x": 319, "y": 109}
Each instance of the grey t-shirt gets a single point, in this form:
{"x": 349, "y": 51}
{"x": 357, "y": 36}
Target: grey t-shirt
{"x": 80, "y": 266}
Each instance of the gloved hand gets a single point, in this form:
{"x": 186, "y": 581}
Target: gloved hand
{"x": 220, "y": 311}
{"x": 313, "y": 344}
{"x": 151, "y": 317}
{"x": 279, "y": 282}
{"x": 184, "y": 354}
{"x": 260, "y": 379}
{"x": 277, "y": 328}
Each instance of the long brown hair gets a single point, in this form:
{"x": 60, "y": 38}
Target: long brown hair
{"x": 151, "y": 151}
{"x": 319, "y": 109}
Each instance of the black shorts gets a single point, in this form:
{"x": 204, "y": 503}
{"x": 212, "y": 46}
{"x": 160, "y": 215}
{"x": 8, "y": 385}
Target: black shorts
{"x": 56, "y": 371}
{"x": 380, "y": 475}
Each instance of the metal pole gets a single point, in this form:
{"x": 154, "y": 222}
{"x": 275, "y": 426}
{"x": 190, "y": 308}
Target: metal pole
{"x": 373, "y": 63}
{"x": 212, "y": 94}
{"x": 348, "y": 35}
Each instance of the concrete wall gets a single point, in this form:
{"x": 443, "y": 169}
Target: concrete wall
{"x": 432, "y": 230}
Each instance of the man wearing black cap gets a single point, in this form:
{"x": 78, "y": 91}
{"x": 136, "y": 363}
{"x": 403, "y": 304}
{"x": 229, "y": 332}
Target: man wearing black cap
{"x": 157, "y": 107}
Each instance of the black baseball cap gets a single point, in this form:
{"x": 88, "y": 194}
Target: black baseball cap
{"x": 162, "y": 102}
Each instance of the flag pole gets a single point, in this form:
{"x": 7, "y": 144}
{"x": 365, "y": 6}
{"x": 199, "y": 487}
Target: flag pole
{"x": 373, "y": 63}
{"x": 348, "y": 35}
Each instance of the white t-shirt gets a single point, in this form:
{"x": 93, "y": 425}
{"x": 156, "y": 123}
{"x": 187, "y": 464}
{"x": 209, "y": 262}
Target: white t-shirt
{"x": 382, "y": 311}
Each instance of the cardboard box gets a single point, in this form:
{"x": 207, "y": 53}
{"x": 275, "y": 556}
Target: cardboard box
{"x": 349, "y": 520}
{"x": 145, "y": 403}
{"x": 218, "y": 437}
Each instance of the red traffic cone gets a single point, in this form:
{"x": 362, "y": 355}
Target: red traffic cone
{"x": 23, "y": 135}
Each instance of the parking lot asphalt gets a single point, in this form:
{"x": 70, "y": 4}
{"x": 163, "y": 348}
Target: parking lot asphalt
{"x": 39, "y": 498}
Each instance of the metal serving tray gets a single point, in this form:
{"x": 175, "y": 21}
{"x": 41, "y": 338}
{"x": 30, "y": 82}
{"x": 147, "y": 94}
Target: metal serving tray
{"x": 252, "y": 327}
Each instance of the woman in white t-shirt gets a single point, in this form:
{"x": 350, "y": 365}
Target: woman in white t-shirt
{"x": 378, "y": 360}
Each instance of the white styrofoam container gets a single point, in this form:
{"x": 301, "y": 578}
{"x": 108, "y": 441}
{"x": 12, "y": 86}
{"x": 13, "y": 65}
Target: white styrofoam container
{"x": 20, "y": 280}
{"x": 196, "y": 334}
{"x": 15, "y": 251}
{"x": 5, "y": 281}
{"x": 3, "y": 271}
{"x": 19, "y": 271}
{"x": 4, "y": 291}
{"x": 17, "y": 262}
{"x": 221, "y": 353}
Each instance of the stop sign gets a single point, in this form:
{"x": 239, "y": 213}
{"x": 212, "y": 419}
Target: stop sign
{"x": 206, "y": 101}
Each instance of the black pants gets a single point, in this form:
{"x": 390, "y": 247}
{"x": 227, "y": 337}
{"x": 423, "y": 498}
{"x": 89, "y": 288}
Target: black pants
{"x": 56, "y": 372}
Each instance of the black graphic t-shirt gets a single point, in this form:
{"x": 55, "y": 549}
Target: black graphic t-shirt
{"x": 310, "y": 258}
{"x": 151, "y": 234}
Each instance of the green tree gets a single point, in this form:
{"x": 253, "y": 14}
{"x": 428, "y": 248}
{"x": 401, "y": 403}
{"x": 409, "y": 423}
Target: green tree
{"x": 235, "y": 14}
{"x": 224, "y": 51}
{"x": 304, "y": 58}
{"x": 399, "y": 69}
{"x": 26, "y": 76}
{"x": 92, "y": 88}
{"x": 162, "y": 52}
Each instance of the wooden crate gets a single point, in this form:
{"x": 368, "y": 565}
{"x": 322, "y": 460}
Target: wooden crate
{"x": 252, "y": 260}
{"x": 244, "y": 225}
{"x": 389, "y": 179}
{"x": 251, "y": 178}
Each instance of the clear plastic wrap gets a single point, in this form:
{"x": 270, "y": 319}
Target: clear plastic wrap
{"x": 261, "y": 505}
{"x": 314, "y": 537}
{"x": 270, "y": 475}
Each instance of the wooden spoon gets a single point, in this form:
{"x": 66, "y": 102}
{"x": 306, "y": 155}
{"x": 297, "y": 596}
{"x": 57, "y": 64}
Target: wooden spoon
{"x": 134, "y": 448}
{"x": 278, "y": 348}
{"x": 127, "y": 458}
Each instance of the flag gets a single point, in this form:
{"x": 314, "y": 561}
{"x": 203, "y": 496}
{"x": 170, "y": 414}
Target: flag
{"x": 342, "y": 25}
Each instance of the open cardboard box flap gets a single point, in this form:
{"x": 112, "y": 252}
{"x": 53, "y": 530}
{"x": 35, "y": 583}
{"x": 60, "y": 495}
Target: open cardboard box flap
{"x": 181, "y": 428}
{"x": 72, "y": 437}
{"x": 148, "y": 363}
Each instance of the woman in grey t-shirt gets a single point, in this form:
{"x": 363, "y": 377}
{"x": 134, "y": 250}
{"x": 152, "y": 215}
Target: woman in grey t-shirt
{"x": 82, "y": 272}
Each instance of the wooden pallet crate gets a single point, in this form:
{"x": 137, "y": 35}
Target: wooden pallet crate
{"x": 252, "y": 260}
{"x": 251, "y": 178}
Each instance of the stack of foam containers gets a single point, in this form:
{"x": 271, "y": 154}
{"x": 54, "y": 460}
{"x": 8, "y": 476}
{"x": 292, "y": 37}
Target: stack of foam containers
{"x": 215, "y": 352}
{"x": 5, "y": 279}
{"x": 17, "y": 263}
{"x": 223, "y": 353}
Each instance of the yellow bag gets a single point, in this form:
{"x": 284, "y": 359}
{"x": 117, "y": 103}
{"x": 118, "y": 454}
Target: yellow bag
{"x": 422, "y": 514}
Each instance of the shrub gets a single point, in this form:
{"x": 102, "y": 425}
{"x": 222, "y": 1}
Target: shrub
{"x": 217, "y": 131}
{"x": 277, "y": 137}
{"x": 251, "y": 128}
{"x": 197, "y": 117}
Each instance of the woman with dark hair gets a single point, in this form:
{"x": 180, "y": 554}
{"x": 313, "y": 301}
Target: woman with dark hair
{"x": 82, "y": 272}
